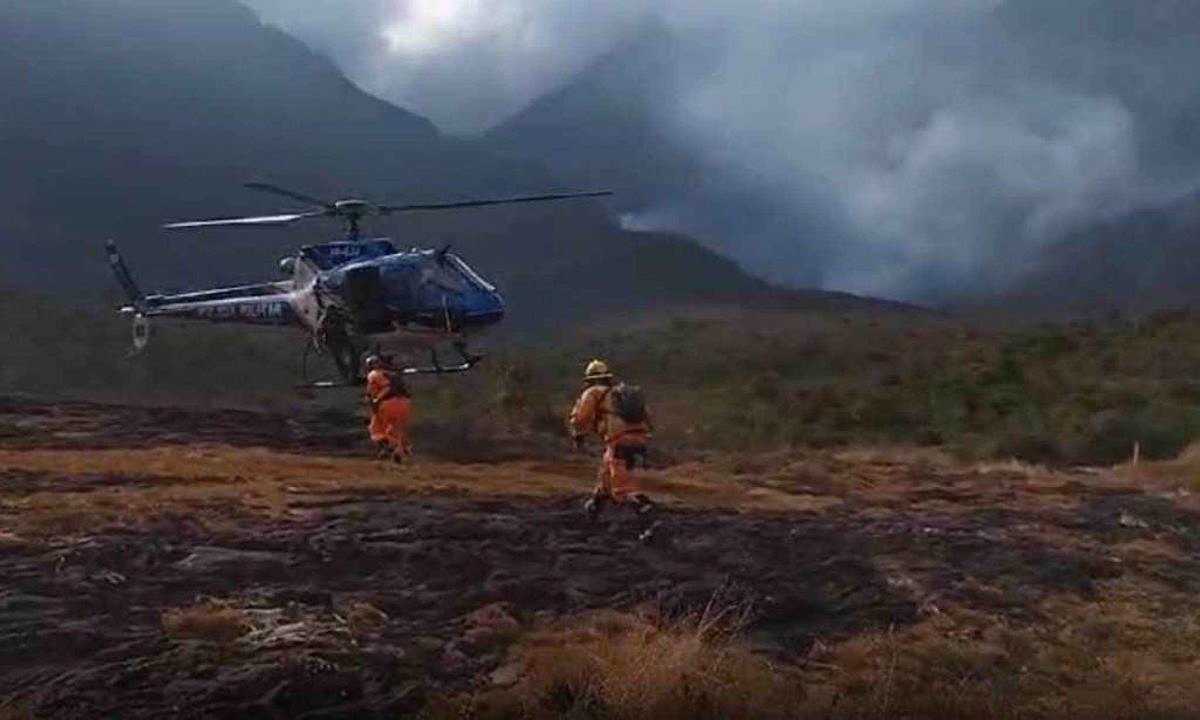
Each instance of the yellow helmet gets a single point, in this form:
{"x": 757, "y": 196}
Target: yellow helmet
{"x": 597, "y": 370}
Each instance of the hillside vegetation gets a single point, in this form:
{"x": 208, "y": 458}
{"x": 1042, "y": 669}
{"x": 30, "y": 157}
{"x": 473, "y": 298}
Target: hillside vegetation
{"x": 717, "y": 379}
{"x": 52, "y": 349}
{"x": 1057, "y": 394}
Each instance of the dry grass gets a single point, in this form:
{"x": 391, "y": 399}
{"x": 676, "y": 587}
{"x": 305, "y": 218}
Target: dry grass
{"x": 213, "y": 486}
{"x": 1113, "y": 660}
{"x": 1182, "y": 473}
{"x": 15, "y": 711}
{"x": 212, "y": 622}
{"x": 234, "y": 629}
{"x": 618, "y": 666}
{"x": 363, "y": 618}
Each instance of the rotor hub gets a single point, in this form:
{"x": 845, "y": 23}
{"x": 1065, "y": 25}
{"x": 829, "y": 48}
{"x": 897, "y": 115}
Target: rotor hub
{"x": 352, "y": 208}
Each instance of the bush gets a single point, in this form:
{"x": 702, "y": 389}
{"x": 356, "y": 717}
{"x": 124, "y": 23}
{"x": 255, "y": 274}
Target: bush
{"x": 1162, "y": 434}
{"x": 1079, "y": 394}
{"x": 1031, "y": 447}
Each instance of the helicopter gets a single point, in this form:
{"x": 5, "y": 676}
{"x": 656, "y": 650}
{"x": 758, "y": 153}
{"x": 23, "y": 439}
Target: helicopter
{"x": 351, "y": 296}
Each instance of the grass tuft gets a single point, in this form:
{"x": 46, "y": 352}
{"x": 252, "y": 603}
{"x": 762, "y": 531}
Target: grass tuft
{"x": 1110, "y": 661}
{"x": 615, "y": 665}
{"x": 211, "y": 622}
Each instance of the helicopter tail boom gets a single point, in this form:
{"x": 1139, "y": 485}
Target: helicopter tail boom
{"x": 261, "y": 304}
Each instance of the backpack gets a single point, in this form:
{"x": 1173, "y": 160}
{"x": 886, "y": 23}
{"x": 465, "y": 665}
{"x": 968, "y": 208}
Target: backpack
{"x": 396, "y": 385}
{"x": 629, "y": 403}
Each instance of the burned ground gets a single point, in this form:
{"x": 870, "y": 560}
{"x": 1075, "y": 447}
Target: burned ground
{"x": 78, "y": 617}
{"x": 211, "y": 563}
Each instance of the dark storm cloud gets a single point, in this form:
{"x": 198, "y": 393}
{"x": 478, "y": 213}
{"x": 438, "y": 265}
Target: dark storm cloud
{"x": 916, "y": 148}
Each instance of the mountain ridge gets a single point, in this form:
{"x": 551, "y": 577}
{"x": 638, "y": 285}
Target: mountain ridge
{"x": 1138, "y": 262}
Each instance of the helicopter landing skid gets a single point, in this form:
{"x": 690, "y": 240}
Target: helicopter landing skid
{"x": 428, "y": 370}
{"x": 437, "y": 369}
{"x": 468, "y": 361}
{"x": 326, "y": 385}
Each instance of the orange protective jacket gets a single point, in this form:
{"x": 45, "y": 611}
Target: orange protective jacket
{"x": 391, "y": 412}
{"x": 593, "y": 413}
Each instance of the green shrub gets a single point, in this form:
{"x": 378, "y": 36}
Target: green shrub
{"x": 1162, "y": 433}
{"x": 1070, "y": 394}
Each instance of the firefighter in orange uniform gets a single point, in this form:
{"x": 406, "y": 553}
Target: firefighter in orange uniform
{"x": 616, "y": 413}
{"x": 391, "y": 409}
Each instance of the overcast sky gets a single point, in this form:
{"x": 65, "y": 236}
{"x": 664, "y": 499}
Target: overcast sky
{"x": 935, "y": 144}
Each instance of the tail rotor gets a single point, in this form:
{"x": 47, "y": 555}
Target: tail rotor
{"x": 137, "y": 299}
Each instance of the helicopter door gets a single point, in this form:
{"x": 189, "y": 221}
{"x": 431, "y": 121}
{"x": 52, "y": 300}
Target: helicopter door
{"x": 401, "y": 288}
{"x": 364, "y": 294}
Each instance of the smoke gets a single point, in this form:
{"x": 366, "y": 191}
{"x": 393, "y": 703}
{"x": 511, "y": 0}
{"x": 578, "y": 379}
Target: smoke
{"x": 934, "y": 158}
{"x": 465, "y": 64}
{"x": 911, "y": 148}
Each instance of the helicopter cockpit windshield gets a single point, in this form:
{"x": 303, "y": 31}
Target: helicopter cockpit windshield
{"x": 442, "y": 273}
{"x": 421, "y": 284}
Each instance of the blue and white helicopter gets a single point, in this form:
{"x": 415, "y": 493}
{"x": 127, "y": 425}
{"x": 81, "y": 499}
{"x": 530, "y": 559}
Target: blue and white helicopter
{"x": 351, "y": 296}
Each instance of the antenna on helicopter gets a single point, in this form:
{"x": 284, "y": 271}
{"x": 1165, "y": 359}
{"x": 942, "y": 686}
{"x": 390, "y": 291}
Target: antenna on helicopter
{"x": 354, "y": 210}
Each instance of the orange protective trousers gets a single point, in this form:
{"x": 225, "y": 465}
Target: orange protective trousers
{"x": 389, "y": 423}
{"x": 617, "y": 479}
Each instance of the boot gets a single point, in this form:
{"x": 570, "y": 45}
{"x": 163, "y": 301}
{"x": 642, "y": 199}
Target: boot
{"x": 651, "y": 535}
{"x": 642, "y": 504}
{"x": 593, "y": 506}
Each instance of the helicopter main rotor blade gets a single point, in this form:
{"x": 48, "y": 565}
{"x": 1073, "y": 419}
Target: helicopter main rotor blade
{"x": 387, "y": 209}
{"x": 262, "y": 221}
{"x": 276, "y": 190}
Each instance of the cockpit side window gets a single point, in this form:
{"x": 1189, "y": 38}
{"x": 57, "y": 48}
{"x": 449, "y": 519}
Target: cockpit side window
{"x": 443, "y": 276}
{"x": 471, "y": 275}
